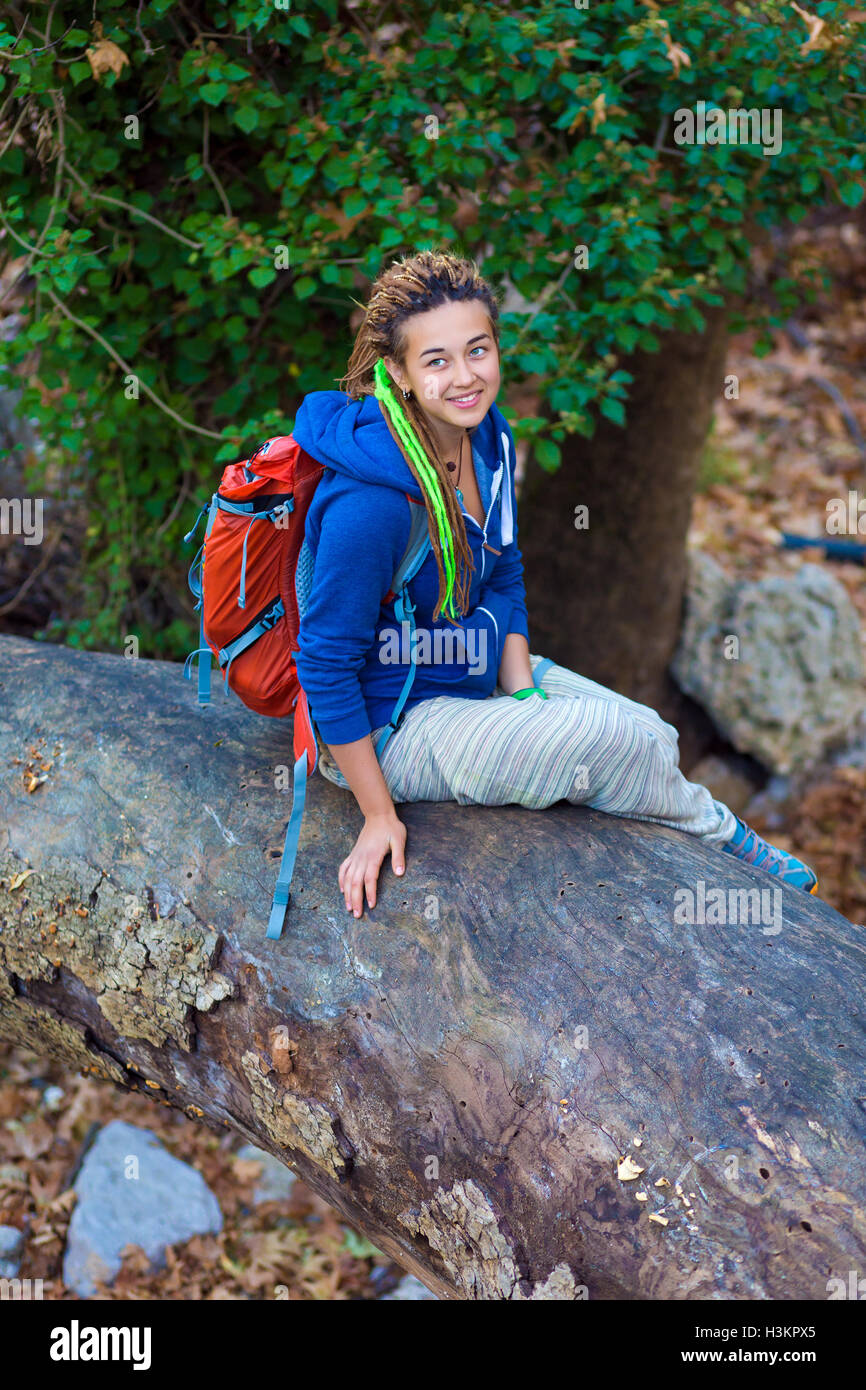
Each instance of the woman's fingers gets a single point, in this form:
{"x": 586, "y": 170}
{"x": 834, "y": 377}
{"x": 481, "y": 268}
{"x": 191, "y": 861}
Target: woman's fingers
{"x": 358, "y": 892}
{"x": 359, "y": 872}
{"x": 363, "y": 878}
{"x": 398, "y": 855}
{"x": 344, "y": 868}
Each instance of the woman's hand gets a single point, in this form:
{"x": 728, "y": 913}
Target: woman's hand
{"x": 360, "y": 870}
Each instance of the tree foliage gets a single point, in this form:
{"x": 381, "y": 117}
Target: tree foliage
{"x": 202, "y": 193}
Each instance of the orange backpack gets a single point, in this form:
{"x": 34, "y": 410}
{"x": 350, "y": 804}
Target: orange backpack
{"x": 252, "y": 578}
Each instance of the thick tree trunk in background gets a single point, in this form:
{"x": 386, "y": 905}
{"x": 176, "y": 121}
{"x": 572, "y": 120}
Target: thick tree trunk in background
{"x": 461, "y": 1071}
{"x": 607, "y": 601}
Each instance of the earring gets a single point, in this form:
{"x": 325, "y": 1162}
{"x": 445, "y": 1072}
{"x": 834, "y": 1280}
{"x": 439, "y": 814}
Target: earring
{"x": 406, "y": 394}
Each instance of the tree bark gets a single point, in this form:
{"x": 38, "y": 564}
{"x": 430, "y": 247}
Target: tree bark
{"x": 607, "y": 600}
{"x": 462, "y": 1070}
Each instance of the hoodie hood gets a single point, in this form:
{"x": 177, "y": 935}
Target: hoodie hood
{"x": 352, "y": 438}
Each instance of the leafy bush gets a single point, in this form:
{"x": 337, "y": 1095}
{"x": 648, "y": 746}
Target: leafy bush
{"x": 202, "y": 193}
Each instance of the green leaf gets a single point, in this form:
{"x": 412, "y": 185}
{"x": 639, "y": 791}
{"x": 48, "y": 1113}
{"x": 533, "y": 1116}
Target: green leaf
{"x": 262, "y": 275}
{"x": 524, "y": 84}
{"x": 213, "y": 92}
{"x": 548, "y": 454}
{"x": 612, "y": 409}
{"x": 851, "y": 193}
{"x": 358, "y": 1246}
{"x": 355, "y": 204}
{"x": 247, "y": 117}
{"x": 626, "y": 335}
{"x": 304, "y": 287}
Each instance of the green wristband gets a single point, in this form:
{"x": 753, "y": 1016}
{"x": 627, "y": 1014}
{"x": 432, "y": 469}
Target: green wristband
{"x": 530, "y": 690}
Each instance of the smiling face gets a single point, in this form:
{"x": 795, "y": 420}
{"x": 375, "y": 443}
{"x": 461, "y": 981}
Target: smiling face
{"x": 451, "y": 366}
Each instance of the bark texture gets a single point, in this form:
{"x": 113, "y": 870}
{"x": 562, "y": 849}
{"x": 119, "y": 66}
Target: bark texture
{"x": 463, "y": 1070}
{"x": 607, "y": 600}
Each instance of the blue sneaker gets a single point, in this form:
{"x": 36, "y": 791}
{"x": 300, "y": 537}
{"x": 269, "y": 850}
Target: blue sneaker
{"x": 746, "y": 844}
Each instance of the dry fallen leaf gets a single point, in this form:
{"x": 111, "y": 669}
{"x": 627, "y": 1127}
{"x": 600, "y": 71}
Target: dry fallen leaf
{"x": 640, "y": 1197}
{"x": 628, "y": 1170}
{"x": 674, "y": 52}
{"x": 662, "y": 1220}
{"x": 598, "y": 111}
{"x": 662, "y": 1182}
{"x": 678, "y": 57}
{"x": 17, "y": 879}
{"x": 816, "y": 25}
{"x": 105, "y": 56}
{"x": 248, "y": 1169}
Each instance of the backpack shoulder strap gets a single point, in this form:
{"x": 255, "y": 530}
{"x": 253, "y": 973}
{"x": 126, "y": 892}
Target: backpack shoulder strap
{"x": 413, "y": 557}
{"x": 416, "y": 548}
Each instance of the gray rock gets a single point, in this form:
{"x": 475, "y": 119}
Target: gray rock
{"x": 772, "y": 805}
{"x": 409, "y": 1289}
{"x": 729, "y": 780}
{"x": 276, "y": 1181}
{"x": 11, "y": 1245}
{"x": 132, "y": 1191}
{"x": 791, "y": 686}
{"x": 852, "y": 754}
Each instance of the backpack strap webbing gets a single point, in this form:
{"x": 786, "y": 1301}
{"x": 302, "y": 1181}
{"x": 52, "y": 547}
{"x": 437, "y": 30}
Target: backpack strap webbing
{"x": 306, "y": 759}
{"x": 540, "y": 668}
{"x": 305, "y": 748}
{"x": 202, "y": 651}
{"x": 413, "y": 558}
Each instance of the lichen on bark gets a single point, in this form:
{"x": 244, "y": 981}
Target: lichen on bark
{"x": 38, "y": 1029}
{"x": 461, "y": 1225}
{"x": 297, "y": 1122}
{"x": 149, "y": 976}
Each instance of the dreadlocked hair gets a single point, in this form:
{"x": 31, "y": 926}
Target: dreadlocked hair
{"x": 412, "y": 285}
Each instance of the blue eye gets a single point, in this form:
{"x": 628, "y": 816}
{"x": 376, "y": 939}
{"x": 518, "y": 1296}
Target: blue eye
{"x": 435, "y": 360}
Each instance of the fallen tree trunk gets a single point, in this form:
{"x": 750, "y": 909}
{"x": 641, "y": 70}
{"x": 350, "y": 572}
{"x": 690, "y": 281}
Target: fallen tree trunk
{"x": 462, "y": 1071}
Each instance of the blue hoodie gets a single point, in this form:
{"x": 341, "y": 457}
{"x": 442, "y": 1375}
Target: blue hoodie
{"x": 353, "y": 657}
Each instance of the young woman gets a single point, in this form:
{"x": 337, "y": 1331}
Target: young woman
{"x": 486, "y": 721}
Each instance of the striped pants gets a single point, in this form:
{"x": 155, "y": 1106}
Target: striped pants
{"x": 583, "y": 744}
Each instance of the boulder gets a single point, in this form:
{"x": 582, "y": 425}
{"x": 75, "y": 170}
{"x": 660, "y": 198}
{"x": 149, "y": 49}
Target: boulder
{"x": 275, "y": 1181}
{"x": 776, "y": 662}
{"x": 11, "y": 1245}
{"x": 131, "y": 1191}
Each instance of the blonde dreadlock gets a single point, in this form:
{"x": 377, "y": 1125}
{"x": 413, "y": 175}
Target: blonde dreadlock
{"x": 410, "y": 286}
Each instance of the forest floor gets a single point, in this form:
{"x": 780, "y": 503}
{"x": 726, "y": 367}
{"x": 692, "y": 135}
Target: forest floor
{"x": 299, "y": 1248}
{"x": 777, "y": 454}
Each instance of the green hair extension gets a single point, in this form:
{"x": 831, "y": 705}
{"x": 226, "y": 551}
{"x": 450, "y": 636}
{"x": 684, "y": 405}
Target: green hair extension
{"x": 429, "y": 481}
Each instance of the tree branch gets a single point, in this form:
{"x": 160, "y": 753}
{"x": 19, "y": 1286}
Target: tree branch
{"x": 130, "y": 371}
{"x": 130, "y": 207}
{"x": 206, "y": 164}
